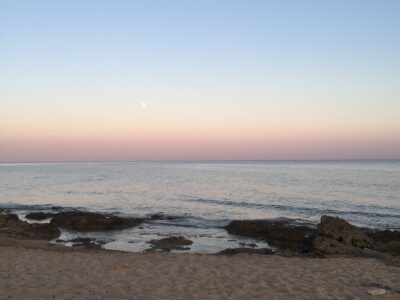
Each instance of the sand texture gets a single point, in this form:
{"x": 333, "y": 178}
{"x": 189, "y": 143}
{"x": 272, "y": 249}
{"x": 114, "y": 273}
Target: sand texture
{"x": 40, "y": 271}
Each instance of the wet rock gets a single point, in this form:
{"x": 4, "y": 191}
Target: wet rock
{"x": 90, "y": 245}
{"x": 11, "y": 226}
{"x": 6, "y": 217}
{"x": 392, "y": 248}
{"x": 277, "y": 233}
{"x": 162, "y": 216}
{"x": 326, "y": 245}
{"x": 252, "y": 245}
{"x": 343, "y": 232}
{"x": 306, "y": 245}
{"x": 82, "y": 240}
{"x": 88, "y": 221}
{"x": 386, "y": 241}
{"x": 233, "y": 251}
{"x": 384, "y": 236}
{"x": 171, "y": 243}
{"x": 332, "y": 236}
{"x": 336, "y": 236}
{"x": 39, "y": 216}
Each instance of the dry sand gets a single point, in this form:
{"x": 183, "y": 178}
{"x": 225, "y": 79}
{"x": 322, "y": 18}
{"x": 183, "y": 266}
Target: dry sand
{"x": 36, "y": 270}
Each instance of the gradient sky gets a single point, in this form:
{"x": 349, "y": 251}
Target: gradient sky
{"x": 154, "y": 80}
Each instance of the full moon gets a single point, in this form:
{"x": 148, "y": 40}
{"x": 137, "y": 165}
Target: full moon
{"x": 143, "y": 104}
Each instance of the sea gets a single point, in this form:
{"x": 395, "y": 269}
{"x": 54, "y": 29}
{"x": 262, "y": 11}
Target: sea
{"x": 203, "y": 196}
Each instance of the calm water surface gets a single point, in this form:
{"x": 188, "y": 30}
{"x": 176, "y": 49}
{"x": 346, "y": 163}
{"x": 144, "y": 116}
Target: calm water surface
{"x": 206, "y": 195}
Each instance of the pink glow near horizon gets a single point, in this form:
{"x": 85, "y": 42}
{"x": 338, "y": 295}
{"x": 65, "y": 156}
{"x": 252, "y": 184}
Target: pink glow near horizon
{"x": 159, "y": 135}
{"x": 43, "y": 150}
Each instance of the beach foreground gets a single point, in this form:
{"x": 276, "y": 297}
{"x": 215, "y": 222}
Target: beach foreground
{"x": 37, "y": 270}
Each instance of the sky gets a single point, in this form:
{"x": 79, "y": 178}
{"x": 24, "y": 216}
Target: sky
{"x": 199, "y": 80}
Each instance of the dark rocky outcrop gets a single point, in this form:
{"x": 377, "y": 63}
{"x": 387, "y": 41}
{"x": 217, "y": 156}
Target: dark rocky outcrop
{"x": 332, "y": 236}
{"x": 6, "y": 218}
{"x": 88, "y": 221}
{"x": 162, "y": 216}
{"x": 326, "y": 245}
{"x": 385, "y": 241}
{"x": 233, "y": 251}
{"x": 39, "y": 216}
{"x": 337, "y": 236}
{"x": 343, "y": 232}
{"x": 12, "y": 226}
{"x": 171, "y": 243}
{"x": 277, "y": 233}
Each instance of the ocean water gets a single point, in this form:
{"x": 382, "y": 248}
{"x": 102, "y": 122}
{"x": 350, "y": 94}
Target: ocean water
{"x": 206, "y": 195}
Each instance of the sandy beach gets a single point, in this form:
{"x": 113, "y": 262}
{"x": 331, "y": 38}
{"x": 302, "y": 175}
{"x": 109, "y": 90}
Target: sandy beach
{"x": 37, "y": 270}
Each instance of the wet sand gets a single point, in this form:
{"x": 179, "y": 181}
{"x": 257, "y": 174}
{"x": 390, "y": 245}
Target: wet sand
{"x": 37, "y": 270}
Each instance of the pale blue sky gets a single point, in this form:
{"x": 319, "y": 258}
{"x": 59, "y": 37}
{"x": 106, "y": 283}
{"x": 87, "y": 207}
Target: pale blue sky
{"x": 252, "y": 65}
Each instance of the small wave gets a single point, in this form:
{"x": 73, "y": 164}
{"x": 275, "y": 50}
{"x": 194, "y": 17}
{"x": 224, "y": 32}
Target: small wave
{"x": 187, "y": 220}
{"x": 38, "y": 207}
{"x": 84, "y": 193}
{"x": 305, "y": 210}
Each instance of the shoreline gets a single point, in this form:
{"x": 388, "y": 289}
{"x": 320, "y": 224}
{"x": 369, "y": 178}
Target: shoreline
{"x": 74, "y": 227}
{"x": 30, "y": 265}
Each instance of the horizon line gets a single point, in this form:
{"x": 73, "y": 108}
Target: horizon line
{"x": 199, "y": 160}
